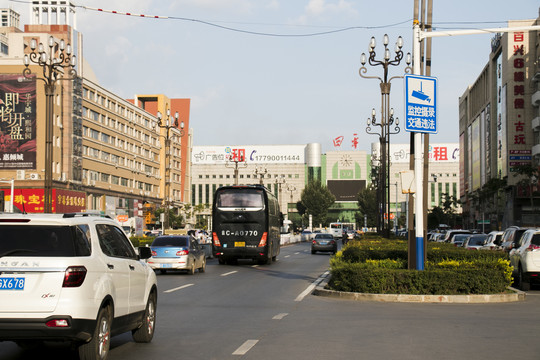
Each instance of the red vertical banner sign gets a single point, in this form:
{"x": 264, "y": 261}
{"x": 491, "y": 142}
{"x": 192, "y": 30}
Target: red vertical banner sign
{"x": 17, "y": 122}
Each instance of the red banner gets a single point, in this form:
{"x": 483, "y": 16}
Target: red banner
{"x": 63, "y": 201}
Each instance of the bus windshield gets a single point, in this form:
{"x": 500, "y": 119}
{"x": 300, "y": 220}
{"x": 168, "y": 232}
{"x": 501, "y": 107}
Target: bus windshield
{"x": 240, "y": 199}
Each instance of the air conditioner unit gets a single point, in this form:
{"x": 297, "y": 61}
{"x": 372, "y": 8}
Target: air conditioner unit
{"x": 21, "y": 174}
{"x": 34, "y": 176}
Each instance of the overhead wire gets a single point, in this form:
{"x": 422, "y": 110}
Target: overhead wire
{"x": 273, "y": 34}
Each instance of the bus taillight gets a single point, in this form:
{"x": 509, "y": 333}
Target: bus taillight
{"x": 215, "y": 239}
{"x": 262, "y": 243}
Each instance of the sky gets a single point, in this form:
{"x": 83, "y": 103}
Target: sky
{"x": 265, "y": 72}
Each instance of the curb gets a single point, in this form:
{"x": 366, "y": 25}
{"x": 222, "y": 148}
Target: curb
{"x": 517, "y": 295}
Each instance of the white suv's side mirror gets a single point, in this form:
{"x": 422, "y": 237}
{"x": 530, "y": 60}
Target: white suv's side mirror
{"x": 145, "y": 253}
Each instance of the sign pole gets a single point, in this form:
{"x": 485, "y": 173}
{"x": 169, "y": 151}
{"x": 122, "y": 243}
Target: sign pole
{"x": 418, "y": 202}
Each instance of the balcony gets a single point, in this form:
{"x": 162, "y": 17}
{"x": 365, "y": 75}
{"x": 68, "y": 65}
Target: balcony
{"x": 536, "y": 98}
{"x": 536, "y": 123}
{"x": 535, "y": 150}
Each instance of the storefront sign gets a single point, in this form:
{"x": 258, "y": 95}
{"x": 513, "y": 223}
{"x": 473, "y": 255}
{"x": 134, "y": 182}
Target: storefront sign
{"x": 63, "y": 201}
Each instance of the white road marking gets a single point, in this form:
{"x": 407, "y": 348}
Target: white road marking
{"x": 242, "y": 350}
{"x": 229, "y": 273}
{"x": 287, "y": 256}
{"x": 311, "y": 287}
{"x": 178, "y": 288}
{"x": 254, "y": 266}
{"x": 280, "y": 316}
{"x": 296, "y": 253}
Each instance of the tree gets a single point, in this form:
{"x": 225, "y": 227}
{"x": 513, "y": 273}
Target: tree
{"x": 444, "y": 214}
{"x": 176, "y": 221}
{"x": 200, "y": 220}
{"x": 367, "y": 203}
{"x": 317, "y": 199}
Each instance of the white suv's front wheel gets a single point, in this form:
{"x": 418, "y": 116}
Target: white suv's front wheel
{"x": 145, "y": 333}
{"x": 98, "y": 347}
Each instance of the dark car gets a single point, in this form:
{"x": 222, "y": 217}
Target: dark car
{"x": 324, "y": 242}
{"x": 459, "y": 239}
{"x": 177, "y": 252}
{"x": 448, "y": 237}
{"x": 475, "y": 242}
{"x": 511, "y": 237}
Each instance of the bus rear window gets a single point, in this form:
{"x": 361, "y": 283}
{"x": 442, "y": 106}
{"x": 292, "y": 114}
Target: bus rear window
{"x": 241, "y": 199}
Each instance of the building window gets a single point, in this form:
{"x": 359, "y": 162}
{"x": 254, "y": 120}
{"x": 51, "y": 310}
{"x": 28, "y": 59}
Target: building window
{"x": 200, "y": 194}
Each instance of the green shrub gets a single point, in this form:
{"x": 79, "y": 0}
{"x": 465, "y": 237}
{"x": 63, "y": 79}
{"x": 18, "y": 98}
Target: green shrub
{"x": 380, "y": 266}
{"x": 141, "y": 241}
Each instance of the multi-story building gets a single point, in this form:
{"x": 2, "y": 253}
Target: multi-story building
{"x": 282, "y": 168}
{"x": 443, "y": 176}
{"x": 345, "y": 173}
{"x": 109, "y": 154}
{"x": 499, "y": 127}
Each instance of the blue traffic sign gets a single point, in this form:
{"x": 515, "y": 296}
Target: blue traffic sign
{"x": 420, "y": 104}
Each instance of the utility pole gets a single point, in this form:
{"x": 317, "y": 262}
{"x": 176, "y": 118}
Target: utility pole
{"x": 418, "y": 36}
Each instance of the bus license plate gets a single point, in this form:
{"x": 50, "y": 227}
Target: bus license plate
{"x": 239, "y": 244}
{"x": 11, "y": 283}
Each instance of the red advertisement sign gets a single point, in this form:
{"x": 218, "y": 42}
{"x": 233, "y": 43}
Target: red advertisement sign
{"x": 17, "y": 122}
{"x": 63, "y": 201}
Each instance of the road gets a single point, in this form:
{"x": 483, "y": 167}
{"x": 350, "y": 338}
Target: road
{"x": 265, "y": 312}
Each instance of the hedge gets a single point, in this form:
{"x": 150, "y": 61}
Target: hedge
{"x": 141, "y": 241}
{"x": 381, "y": 267}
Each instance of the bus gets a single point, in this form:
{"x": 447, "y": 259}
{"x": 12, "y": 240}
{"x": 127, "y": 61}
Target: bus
{"x": 246, "y": 224}
{"x": 337, "y": 229}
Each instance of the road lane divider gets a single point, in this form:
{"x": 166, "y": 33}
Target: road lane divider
{"x": 280, "y": 316}
{"x": 245, "y": 347}
{"x": 229, "y": 273}
{"x": 178, "y": 288}
{"x": 310, "y": 288}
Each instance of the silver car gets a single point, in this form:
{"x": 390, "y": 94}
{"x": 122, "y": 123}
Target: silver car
{"x": 177, "y": 252}
{"x": 324, "y": 242}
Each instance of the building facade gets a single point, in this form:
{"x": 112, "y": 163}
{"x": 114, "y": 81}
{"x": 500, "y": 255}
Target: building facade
{"x": 281, "y": 168}
{"x": 443, "y": 175}
{"x": 109, "y": 154}
{"x": 499, "y": 127}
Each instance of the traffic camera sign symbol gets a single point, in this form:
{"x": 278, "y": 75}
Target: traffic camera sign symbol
{"x": 420, "y": 104}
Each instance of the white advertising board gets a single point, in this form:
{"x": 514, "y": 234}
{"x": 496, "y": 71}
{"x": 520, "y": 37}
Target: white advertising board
{"x": 258, "y": 154}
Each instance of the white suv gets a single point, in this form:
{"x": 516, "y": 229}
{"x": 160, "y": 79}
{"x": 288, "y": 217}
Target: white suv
{"x": 73, "y": 277}
{"x": 525, "y": 259}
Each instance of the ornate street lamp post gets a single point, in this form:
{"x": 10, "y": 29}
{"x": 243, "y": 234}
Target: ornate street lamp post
{"x": 387, "y": 117}
{"x": 55, "y": 62}
{"x": 260, "y": 172}
{"x": 235, "y": 166}
{"x": 280, "y": 181}
{"x": 167, "y": 124}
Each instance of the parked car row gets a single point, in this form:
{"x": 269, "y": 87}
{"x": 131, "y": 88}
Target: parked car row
{"x": 521, "y": 243}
